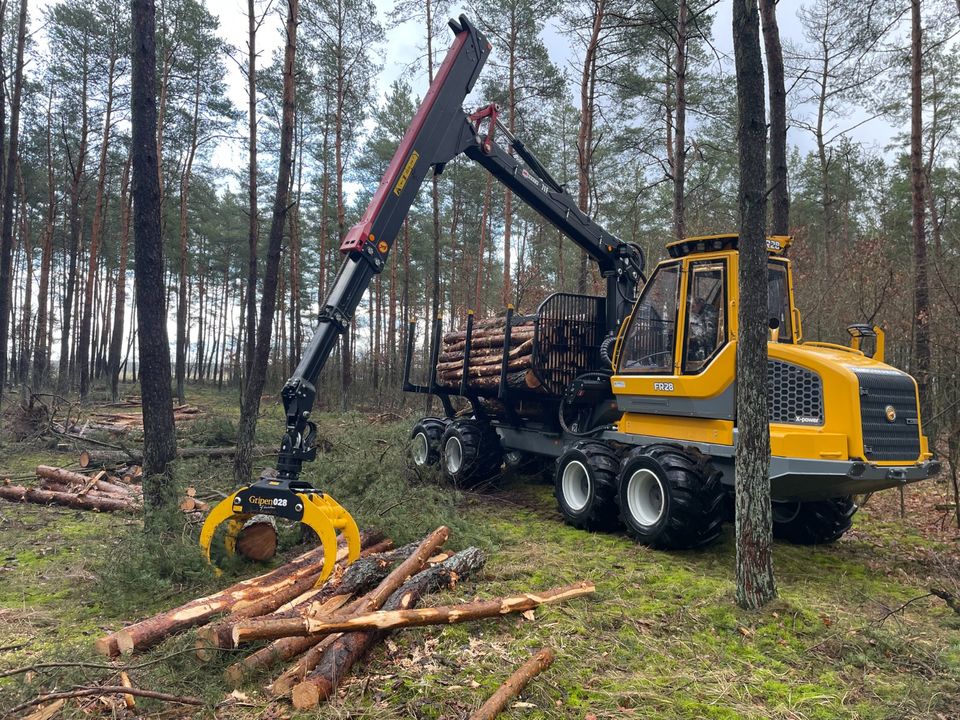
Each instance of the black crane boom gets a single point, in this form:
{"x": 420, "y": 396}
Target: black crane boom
{"x": 439, "y": 132}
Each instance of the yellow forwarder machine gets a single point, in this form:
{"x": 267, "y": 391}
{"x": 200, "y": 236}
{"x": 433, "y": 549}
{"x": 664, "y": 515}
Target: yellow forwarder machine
{"x": 636, "y": 396}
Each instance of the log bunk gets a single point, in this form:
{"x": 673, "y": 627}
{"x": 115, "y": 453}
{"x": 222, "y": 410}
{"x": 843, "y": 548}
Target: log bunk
{"x": 314, "y": 635}
{"x": 511, "y": 366}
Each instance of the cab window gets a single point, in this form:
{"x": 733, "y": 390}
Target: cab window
{"x": 778, "y": 300}
{"x": 706, "y": 327}
{"x": 649, "y": 344}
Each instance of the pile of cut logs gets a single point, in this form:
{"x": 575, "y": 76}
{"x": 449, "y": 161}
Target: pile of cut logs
{"x": 123, "y": 422}
{"x": 320, "y": 632}
{"x": 98, "y": 491}
{"x": 486, "y": 354}
{"x": 102, "y": 487}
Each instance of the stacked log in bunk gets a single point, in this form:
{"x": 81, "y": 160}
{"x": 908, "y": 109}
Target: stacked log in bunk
{"x": 486, "y": 355}
{"x": 316, "y": 634}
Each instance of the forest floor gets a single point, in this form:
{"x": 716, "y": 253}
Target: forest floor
{"x": 854, "y": 633}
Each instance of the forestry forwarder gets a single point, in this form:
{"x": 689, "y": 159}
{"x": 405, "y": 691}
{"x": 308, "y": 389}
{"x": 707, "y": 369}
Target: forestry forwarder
{"x": 642, "y": 436}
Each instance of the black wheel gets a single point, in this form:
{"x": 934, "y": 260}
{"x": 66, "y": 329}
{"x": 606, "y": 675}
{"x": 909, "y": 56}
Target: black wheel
{"x": 425, "y": 441}
{"x": 586, "y": 483}
{"x": 470, "y": 452}
{"x": 813, "y": 523}
{"x": 670, "y": 499}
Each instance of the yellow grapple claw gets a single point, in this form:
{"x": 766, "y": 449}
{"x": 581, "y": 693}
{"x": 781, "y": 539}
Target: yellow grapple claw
{"x": 324, "y": 515}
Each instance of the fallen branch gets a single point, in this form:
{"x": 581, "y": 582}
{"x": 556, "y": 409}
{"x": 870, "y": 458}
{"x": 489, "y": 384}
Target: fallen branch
{"x": 948, "y": 598}
{"x": 106, "y": 690}
{"x": 514, "y": 685}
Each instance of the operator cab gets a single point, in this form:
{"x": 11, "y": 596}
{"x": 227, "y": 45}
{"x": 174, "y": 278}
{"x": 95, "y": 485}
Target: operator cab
{"x": 693, "y": 292}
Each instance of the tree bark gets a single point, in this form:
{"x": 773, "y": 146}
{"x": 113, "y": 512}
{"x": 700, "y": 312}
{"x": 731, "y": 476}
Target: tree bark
{"x": 120, "y": 306}
{"x": 258, "y": 374}
{"x": 41, "y": 354}
{"x": 755, "y": 582}
{"x": 585, "y": 148}
{"x": 779, "y": 189}
{"x": 316, "y": 646}
{"x": 159, "y": 441}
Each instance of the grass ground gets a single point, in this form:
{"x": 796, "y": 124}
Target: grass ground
{"x": 662, "y": 637}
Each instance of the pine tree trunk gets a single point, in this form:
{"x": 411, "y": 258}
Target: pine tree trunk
{"x": 755, "y": 582}
{"x": 258, "y": 374}
{"x": 96, "y": 234}
{"x": 64, "y": 375}
{"x": 253, "y": 229}
{"x": 921, "y": 288}
{"x": 779, "y": 190}
{"x": 9, "y": 183}
{"x": 159, "y": 442}
{"x": 680, "y": 132}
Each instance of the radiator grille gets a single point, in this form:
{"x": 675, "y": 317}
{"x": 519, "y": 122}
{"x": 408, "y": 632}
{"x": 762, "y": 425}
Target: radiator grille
{"x": 795, "y": 394}
{"x": 882, "y": 439}
{"x": 567, "y": 340}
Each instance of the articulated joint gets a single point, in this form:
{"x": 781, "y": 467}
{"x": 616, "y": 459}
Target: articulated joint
{"x": 332, "y": 315}
{"x": 298, "y": 443}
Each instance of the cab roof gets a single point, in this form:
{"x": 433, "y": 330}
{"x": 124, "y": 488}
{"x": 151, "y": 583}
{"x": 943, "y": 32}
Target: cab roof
{"x": 776, "y": 244}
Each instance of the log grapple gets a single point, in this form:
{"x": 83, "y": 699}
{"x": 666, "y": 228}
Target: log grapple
{"x": 296, "y": 501}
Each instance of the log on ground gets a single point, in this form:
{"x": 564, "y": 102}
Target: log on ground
{"x": 347, "y": 649}
{"x": 18, "y": 493}
{"x": 514, "y": 685}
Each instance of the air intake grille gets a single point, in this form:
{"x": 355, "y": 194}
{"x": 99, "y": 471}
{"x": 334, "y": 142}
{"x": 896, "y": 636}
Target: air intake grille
{"x": 882, "y": 439}
{"x": 567, "y": 341}
{"x": 795, "y": 394}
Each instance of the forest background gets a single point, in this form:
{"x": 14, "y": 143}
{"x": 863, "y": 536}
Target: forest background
{"x": 629, "y": 107}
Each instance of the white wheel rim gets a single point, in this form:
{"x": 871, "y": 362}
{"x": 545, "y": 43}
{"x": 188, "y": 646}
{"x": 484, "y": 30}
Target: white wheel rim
{"x": 453, "y": 455}
{"x": 420, "y": 447}
{"x": 645, "y": 497}
{"x": 575, "y": 485}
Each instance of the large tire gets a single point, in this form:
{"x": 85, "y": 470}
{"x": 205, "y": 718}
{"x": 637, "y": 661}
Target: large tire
{"x": 425, "y": 439}
{"x": 585, "y": 485}
{"x": 670, "y": 499}
{"x": 818, "y": 522}
{"x": 470, "y": 452}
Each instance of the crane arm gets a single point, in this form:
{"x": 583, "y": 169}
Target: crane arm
{"x": 439, "y": 132}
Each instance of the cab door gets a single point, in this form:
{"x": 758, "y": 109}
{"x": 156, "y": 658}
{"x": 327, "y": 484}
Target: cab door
{"x": 676, "y": 363}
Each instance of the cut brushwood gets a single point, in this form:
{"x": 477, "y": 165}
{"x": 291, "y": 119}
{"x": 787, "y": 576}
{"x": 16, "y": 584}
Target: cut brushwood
{"x": 514, "y": 685}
